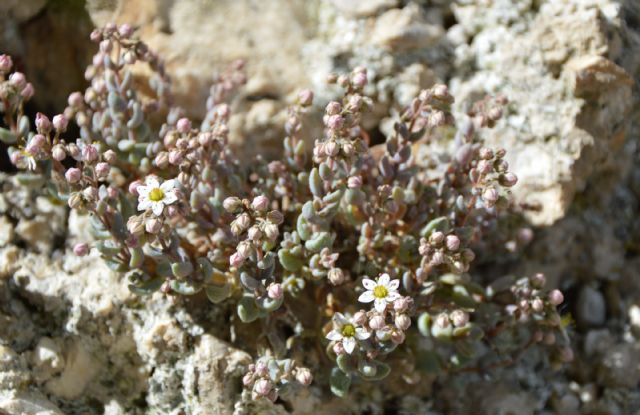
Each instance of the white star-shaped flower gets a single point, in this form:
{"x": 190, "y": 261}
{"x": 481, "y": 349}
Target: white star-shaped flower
{"x": 155, "y": 195}
{"x": 383, "y": 291}
{"x": 346, "y": 332}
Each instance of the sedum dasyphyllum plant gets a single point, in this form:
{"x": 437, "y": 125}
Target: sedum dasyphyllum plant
{"x": 347, "y": 262}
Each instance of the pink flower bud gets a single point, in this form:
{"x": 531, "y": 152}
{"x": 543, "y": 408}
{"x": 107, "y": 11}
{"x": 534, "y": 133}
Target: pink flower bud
{"x": 184, "y": 125}
{"x": 58, "y": 153}
{"x": 60, "y": 123}
{"x": 436, "y": 238}
{"x": 28, "y": 91}
{"x": 133, "y": 187}
{"x": 403, "y": 321}
{"x": 537, "y": 305}
{"x": 377, "y": 322}
{"x": 275, "y": 291}
{"x": 452, "y": 242}
{"x": 402, "y": 304}
{"x": 112, "y": 192}
{"x": 556, "y": 297}
{"x": 43, "y": 125}
{"x": 153, "y": 225}
{"x": 485, "y": 153}
{"x": 261, "y": 368}
{"x": 359, "y": 80}
{"x": 175, "y": 157}
{"x": 110, "y": 156}
{"x": 254, "y": 233}
{"x": 102, "y": 170}
{"x": 271, "y": 231}
{"x": 333, "y": 108}
{"x": 304, "y": 376}
{"x": 204, "y": 139}
{"x": 354, "y": 182}
{"x": 440, "y": 91}
{"x": 335, "y": 122}
{"x": 442, "y": 320}
{"x": 231, "y": 204}
{"x": 90, "y": 194}
{"x": 125, "y": 30}
{"x": 5, "y": 63}
{"x": 36, "y": 144}
{"x": 508, "y": 179}
{"x": 263, "y": 387}
{"x": 247, "y": 379}
{"x": 89, "y": 153}
{"x": 18, "y": 80}
{"x": 397, "y": 336}
{"x": 73, "y": 175}
{"x": 336, "y": 276}
{"x": 437, "y": 259}
{"x": 105, "y": 46}
{"x": 490, "y": 196}
{"x": 260, "y": 203}
{"x": 459, "y": 318}
{"x": 305, "y": 97}
{"x": 235, "y": 260}
{"x": 75, "y": 100}
{"x": 331, "y": 148}
{"x": 360, "y": 317}
{"x": 81, "y": 249}
{"x": 338, "y": 348}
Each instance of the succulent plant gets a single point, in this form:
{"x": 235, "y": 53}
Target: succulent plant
{"x": 350, "y": 260}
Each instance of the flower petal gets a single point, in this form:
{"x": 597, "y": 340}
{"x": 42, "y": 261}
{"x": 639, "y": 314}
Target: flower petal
{"x": 143, "y": 190}
{"x": 384, "y": 279}
{"x": 362, "y": 334}
{"x": 349, "y": 343}
{"x": 169, "y": 198}
{"x": 369, "y": 284}
{"x": 334, "y": 335}
{"x": 393, "y": 285}
{"x": 392, "y": 296}
{"x": 380, "y": 304}
{"x": 168, "y": 185}
{"x": 340, "y": 319}
{"x": 366, "y": 297}
{"x": 144, "y": 203}
{"x": 152, "y": 182}
{"x": 157, "y": 208}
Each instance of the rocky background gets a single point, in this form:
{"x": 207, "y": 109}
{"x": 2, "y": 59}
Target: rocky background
{"x": 74, "y": 340}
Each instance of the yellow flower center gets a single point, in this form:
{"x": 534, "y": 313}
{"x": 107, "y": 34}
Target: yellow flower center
{"x": 348, "y": 330}
{"x": 156, "y": 194}
{"x": 380, "y": 291}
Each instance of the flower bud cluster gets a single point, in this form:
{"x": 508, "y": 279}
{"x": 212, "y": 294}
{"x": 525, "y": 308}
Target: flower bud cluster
{"x": 269, "y": 377}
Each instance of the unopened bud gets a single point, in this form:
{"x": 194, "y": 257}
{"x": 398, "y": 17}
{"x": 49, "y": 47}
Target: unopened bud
{"x": 459, "y": 318}
{"x": 102, "y": 170}
{"x": 305, "y": 97}
{"x": 556, "y": 297}
{"x": 377, "y": 322}
{"x": 336, "y": 276}
{"x": 452, "y": 242}
{"x": 60, "y": 123}
{"x": 304, "y": 376}
{"x": 231, "y": 204}
{"x": 403, "y": 321}
{"x": 73, "y": 175}
{"x": 81, "y": 249}
{"x": 275, "y": 291}
{"x": 183, "y": 125}
{"x": 260, "y": 203}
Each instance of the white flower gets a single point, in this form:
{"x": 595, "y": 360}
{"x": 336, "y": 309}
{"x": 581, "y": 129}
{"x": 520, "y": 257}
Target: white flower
{"x": 155, "y": 195}
{"x": 346, "y": 332}
{"x": 383, "y": 291}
